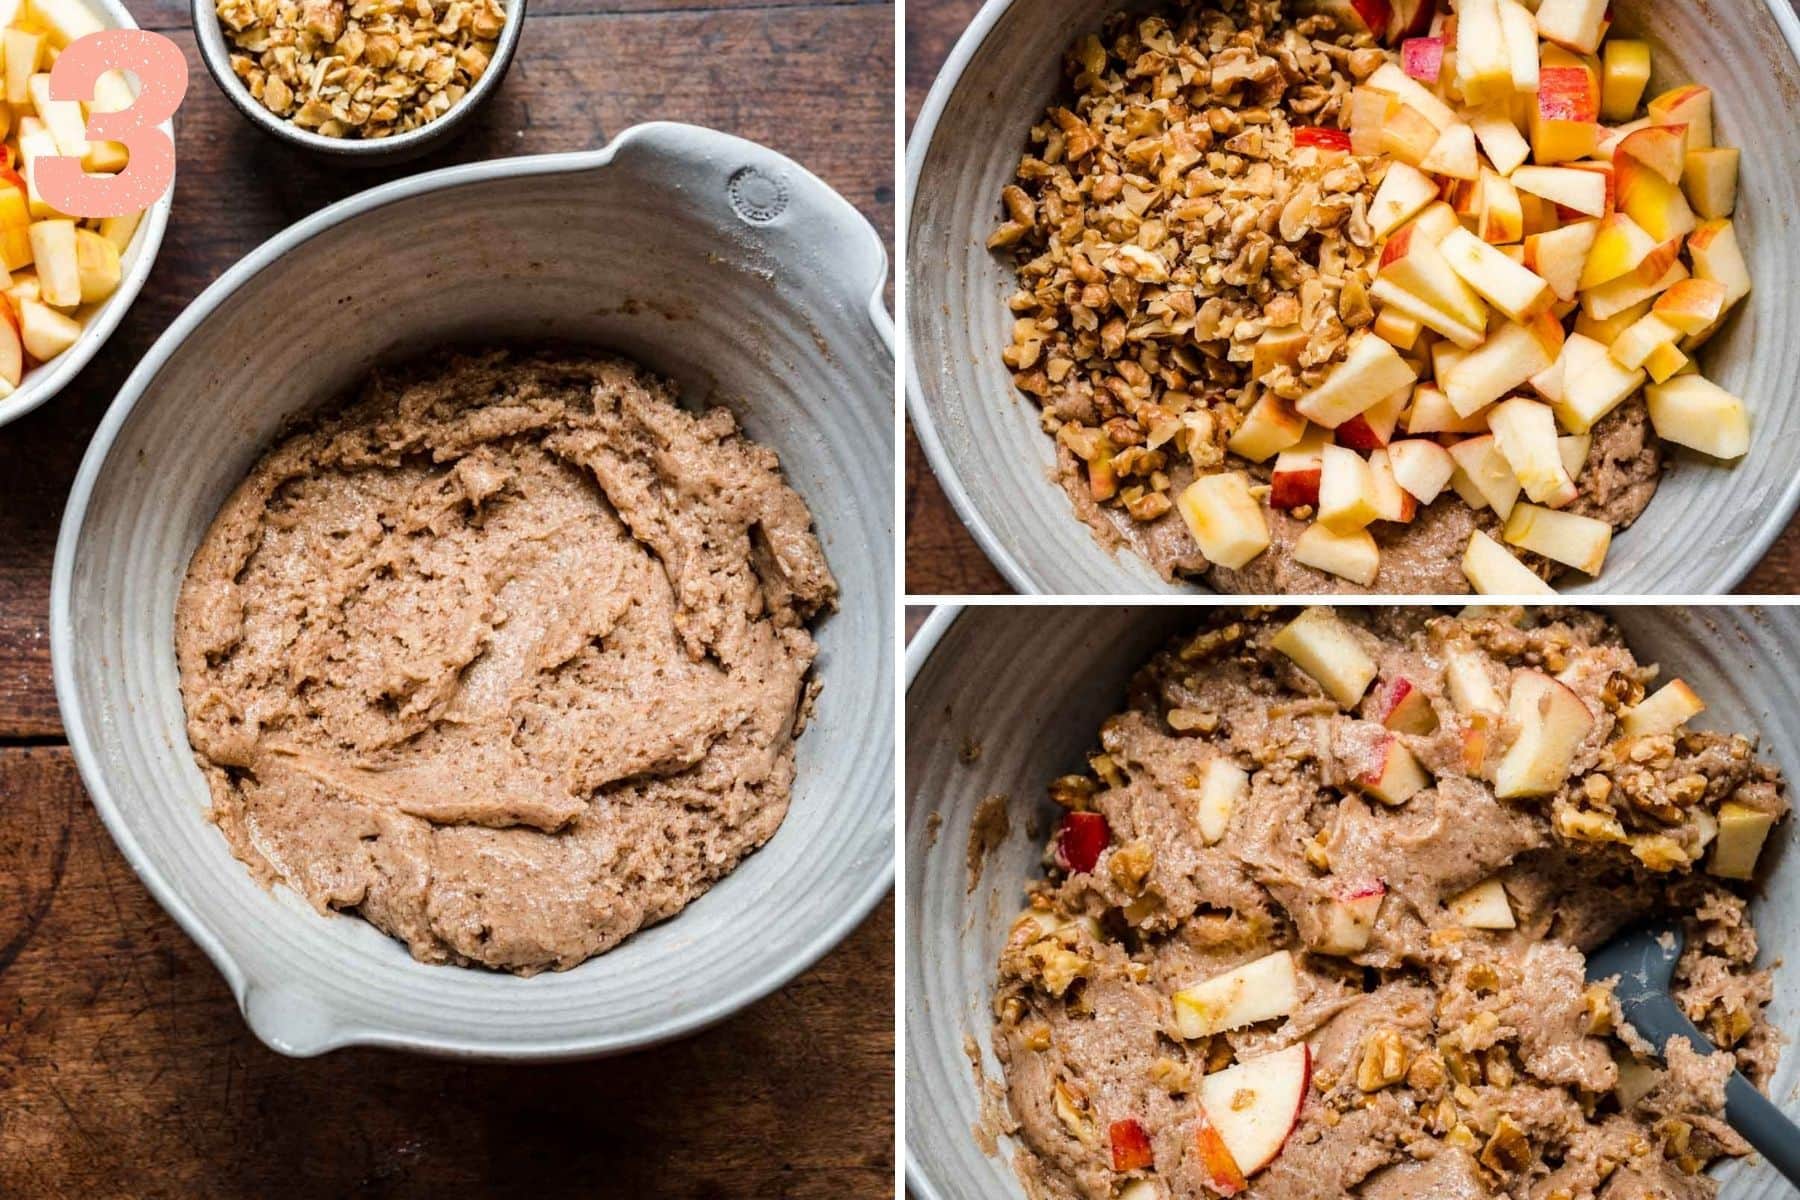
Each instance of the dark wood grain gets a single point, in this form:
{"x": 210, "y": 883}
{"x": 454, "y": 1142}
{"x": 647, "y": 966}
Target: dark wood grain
{"x": 125, "y": 1069}
{"x": 941, "y": 557}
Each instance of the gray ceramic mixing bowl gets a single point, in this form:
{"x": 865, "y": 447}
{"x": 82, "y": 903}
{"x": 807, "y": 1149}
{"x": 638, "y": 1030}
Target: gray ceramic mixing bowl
{"x": 1030, "y": 686}
{"x": 705, "y": 256}
{"x": 1709, "y": 523}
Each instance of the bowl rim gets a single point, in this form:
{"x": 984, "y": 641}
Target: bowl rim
{"x": 209, "y": 35}
{"x": 1731, "y": 571}
{"x": 79, "y": 728}
{"x": 48, "y": 380}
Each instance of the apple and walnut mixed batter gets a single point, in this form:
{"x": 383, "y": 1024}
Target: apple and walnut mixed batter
{"x": 508, "y": 656}
{"x": 1315, "y": 920}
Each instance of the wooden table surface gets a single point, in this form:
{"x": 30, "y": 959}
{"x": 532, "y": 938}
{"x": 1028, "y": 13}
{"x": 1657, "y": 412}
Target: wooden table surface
{"x": 125, "y": 1069}
{"x": 941, "y": 557}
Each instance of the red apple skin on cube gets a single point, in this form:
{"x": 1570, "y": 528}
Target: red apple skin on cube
{"x": 1662, "y": 148}
{"x": 1252, "y": 1108}
{"x": 1407, "y": 709}
{"x": 1130, "y": 1146}
{"x": 1322, "y": 138}
{"x": 1423, "y": 58}
{"x": 1080, "y": 839}
{"x": 1290, "y": 489}
{"x": 1411, "y": 19}
{"x": 1221, "y": 1170}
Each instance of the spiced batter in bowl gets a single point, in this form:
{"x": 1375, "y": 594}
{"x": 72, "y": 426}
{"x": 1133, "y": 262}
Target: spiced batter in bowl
{"x": 507, "y": 656}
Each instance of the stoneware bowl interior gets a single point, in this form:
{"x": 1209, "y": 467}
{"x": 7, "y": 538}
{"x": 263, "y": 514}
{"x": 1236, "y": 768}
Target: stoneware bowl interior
{"x": 216, "y": 54}
{"x": 1031, "y": 686}
{"x": 135, "y": 264}
{"x": 1708, "y": 524}
{"x": 706, "y": 257}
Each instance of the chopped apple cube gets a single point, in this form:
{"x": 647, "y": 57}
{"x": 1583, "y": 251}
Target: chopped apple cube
{"x": 1391, "y": 295}
{"x": 1565, "y": 537}
{"x": 1482, "y": 477}
{"x": 1502, "y": 214}
{"x": 1624, "y": 73}
{"x": 1574, "y": 450}
{"x": 58, "y": 265}
{"x": 1388, "y": 77}
{"x": 1472, "y": 690}
{"x": 1421, "y": 467}
{"x": 1552, "y": 722}
{"x": 1353, "y": 555}
{"x": 1665, "y": 362}
{"x": 1483, "y": 66}
{"x": 15, "y": 228}
{"x": 1564, "y": 115}
{"x": 64, "y": 118}
{"x": 1610, "y": 299}
{"x": 1392, "y": 502}
{"x": 1714, "y": 249}
{"x": 1260, "y": 990}
{"x": 1691, "y": 305}
{"x": 1325, "y": 648}
{"x": 1397, "y": 329}
{"x": 1346, "y": 490}
{"x": 1270, "y": 427}
{"x": 1742, "y": 832}
{"x": 1373, "y": 428}
{"x": 1710, "y": 179}
{"x": 1392, "y": 774}
{"x": 23, "y": 51}
{"x": 1422, "y": 58}
{"x": 1500, "y": 139}
{"x": 1525, "y": 431}
{"x": 1408, "y": 135}
{"x": 1692, "y": 411}
{"x": 1560, "y": 256}
{"x": 1431, "y": 413}
{"x": 12, "y": 349}
{"x": 119, "y": 230}
{"x": 1607, "y": 332}
{"x": 1405, "y": 192}
{"x": 1370, "y": 372}
{"x": 1691, "y": 106}
{"x": 1509, "y": 287}
{"x": 1223, "y": 787}
{"x": 1664, "y": 711}
{"x": 1518, "y": 29}
{"x": 45, "y": 332}
{"x": 1350, "y": 917}
{"x": 1483, "y": 906}
{"x": 1250, "y": 1109}
{"x": 1662, "y": 148}
{"x": 1131, "y": 1149}
{"x": 35, "y": 142}
{"x": 1620, "y": 246}
{"x": 1225, "y": 519}
{"x": 97, "y": 261}
{"x": 1571, "y": 187}
{"x": 1635, "y": 345}
{"x": 1591, "y": 384}
{"x": 1652, "y": 201}
{"x": 1414, "y": 263}
{"x": 1492, "y": 570}
{"x": 1407, "y": 709}
{"x": 1573, "y": 24}
{"x": 1453, "y": 153}
{"x": 65, "y": 20}
{"x": 1510, "y": 357}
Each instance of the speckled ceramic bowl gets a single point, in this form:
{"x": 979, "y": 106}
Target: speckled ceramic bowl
{"x": 1031, "y": 686}
{"x": 1708, "y": 525}
{"x": 215, "y": 52}
{"x": 707, "y": 257}
{"x": 47, "y": 380}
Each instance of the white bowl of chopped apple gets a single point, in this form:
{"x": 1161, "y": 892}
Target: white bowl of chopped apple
{"x": 66, "y": 281}
{"x": 1540, "y": 360}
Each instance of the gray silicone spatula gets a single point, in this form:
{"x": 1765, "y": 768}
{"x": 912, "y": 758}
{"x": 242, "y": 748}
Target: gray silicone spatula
{"x": 1644, "y": 961}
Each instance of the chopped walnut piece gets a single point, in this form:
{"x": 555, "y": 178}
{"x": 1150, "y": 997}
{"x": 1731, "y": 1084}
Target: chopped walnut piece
{"x": 362, "y": 68}
{"x": 1162, "y": 218}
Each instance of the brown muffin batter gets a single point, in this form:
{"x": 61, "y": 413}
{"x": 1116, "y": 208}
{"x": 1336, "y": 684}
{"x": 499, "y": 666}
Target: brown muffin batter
{"x": 507, "y": 656}
{"x": 1449, "y": 1057}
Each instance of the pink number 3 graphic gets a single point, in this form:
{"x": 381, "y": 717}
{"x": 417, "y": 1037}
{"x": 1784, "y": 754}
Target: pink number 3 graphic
{"x": 162, "y": 79}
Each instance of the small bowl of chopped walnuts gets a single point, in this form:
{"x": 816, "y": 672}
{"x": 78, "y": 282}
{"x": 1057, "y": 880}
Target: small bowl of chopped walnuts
{"x": 371, "y": 81}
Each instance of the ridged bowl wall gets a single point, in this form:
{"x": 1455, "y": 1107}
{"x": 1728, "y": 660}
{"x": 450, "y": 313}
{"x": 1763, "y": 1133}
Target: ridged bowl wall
{"x": 1030, "y": 686}
{"x": 706, "y": 257}
{"x": 1708, "y": 525}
